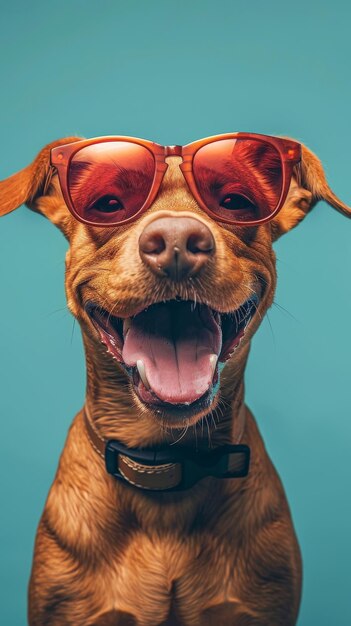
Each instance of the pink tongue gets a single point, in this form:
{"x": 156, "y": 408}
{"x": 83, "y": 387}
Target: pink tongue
{"x": 175, "y": 344}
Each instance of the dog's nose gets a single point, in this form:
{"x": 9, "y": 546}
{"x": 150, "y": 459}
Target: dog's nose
{"x": 177, "y": 247}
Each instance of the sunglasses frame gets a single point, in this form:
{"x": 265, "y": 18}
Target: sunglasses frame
{"x": 289, "y": 152}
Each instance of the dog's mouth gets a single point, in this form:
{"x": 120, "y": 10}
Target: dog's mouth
{"x": 172, "y": 350}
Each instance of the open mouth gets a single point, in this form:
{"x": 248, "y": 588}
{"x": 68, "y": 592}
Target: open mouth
{"x": 172, "y": 350}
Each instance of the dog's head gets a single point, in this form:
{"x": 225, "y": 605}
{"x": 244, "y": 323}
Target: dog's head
{"x": 170, "y": 301}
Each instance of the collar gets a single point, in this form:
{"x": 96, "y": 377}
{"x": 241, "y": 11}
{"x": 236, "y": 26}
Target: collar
{"x": 166, "y": 468}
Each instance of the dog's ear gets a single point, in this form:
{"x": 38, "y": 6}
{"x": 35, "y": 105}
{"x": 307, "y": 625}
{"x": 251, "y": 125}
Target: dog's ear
{"x": 30, "y": 185}
{"x": 308, "y": 186}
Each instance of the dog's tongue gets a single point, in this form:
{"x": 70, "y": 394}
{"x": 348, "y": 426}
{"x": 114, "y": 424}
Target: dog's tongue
{"x": 175, "y": 341}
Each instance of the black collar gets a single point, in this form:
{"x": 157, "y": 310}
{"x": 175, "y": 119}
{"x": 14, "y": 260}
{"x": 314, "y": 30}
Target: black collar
{"x": 168, "y": 468}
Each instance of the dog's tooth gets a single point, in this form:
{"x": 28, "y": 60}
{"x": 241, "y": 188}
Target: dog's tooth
{"x": 213, "y": 363}
{"x": 126, "y": 325}
{"x": 142, "y": 373}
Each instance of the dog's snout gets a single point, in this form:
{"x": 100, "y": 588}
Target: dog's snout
{"x": 177, "y": 247}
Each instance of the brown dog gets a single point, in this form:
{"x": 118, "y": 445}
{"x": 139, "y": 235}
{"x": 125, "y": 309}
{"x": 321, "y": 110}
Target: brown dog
{"x": 138, "y": 550}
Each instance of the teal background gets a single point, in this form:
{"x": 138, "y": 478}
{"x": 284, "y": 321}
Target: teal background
{"x": 175, "y": 72}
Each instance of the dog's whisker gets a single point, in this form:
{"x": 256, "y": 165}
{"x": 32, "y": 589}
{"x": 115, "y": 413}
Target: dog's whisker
{"x": 237, "y": 320}
{"x": 208, "y": 432}
{"x": 164, "y": 428}
{"x": 213, "y": 421}
{"x": 73, "y": 327}
{"x": 271, "y": 329}
{"x": 64, "y": 308}
{"x": 195, "y": 435}
{"x": 261, "y": 279}
{"x": 112, "y": 310}
{"x": 183, "y": 433}
{"x": 281, "y": 308}
{"x": 219, "y": 409}
{"x": 194, "y": 296}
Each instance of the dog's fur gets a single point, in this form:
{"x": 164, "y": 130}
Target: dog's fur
{"x": 224, "y": 552}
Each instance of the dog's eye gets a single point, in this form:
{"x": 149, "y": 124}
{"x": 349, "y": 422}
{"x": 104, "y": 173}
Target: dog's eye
{"x": 237, "y": 202}
{"x": 107, "y": 204}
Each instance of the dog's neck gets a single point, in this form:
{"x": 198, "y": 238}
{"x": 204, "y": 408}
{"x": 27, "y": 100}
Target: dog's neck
{"x": 117, "y": 415}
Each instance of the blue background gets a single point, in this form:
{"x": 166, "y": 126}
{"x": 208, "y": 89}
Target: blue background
{"x": 175, "y": 72}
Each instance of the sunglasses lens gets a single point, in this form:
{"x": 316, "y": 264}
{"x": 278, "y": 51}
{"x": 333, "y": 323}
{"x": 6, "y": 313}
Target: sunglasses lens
{"x": 109, "y": 182}
{"x": 239, "y": 180}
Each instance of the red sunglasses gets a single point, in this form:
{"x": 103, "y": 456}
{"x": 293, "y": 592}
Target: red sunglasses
{"x": 236, "y": 178}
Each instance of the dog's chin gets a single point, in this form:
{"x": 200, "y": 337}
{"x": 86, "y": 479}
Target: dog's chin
{"x": 180, "y": 415}
{"x": 173, "y": 353}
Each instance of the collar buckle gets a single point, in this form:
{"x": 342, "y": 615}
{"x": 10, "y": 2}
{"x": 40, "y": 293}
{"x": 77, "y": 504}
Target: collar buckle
{"x": 174, "y": 470}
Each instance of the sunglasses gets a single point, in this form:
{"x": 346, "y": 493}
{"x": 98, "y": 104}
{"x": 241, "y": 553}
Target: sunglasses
{"x": 236, "y": 178}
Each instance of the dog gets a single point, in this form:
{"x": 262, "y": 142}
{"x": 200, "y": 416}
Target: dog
{"x": 166, "y": 508}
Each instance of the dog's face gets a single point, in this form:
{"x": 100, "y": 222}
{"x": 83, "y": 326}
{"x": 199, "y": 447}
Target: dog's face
{"x": 168, "y": 303}
{"x": 171, "y": 322}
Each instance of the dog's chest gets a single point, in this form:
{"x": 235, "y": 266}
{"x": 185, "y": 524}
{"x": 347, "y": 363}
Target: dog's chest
{"x": 159, "y": 576}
